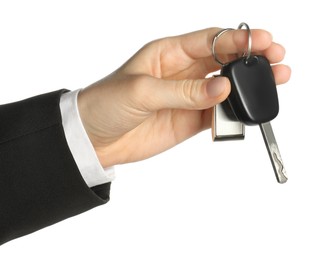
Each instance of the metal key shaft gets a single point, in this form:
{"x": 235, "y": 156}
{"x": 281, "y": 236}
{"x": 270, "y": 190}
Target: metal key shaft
{"x": 273, "y": 152}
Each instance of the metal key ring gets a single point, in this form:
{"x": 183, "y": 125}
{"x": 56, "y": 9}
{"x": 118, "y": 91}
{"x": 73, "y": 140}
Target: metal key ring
{"x": 249, "y": 44}
{"x": 220, "y": 33}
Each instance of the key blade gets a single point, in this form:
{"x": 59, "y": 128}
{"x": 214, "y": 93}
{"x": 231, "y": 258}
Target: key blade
{"x": 273, "y": 151}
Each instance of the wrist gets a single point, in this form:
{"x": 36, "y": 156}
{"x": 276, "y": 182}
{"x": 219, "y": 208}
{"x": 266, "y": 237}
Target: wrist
{"x": 106, "y": 152}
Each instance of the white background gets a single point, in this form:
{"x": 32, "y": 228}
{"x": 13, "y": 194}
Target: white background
{"x": 200, "y": 200}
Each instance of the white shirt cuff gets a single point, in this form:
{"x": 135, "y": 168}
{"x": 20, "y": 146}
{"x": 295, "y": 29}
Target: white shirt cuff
{"x": 80, "y": 145}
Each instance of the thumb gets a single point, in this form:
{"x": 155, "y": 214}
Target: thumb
{"x": 186, "y": 94}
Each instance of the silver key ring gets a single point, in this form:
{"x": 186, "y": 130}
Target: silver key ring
{"x": 249, "y": 44}
{"x": 220, "y": 33}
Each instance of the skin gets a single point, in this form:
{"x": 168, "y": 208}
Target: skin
{"x": 161, "y": 96}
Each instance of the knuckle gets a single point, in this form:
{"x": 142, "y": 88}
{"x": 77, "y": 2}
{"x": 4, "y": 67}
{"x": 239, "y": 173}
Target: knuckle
{"x": 190, "y": 91}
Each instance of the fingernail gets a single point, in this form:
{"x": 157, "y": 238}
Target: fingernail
{"x": 216, "y": 86}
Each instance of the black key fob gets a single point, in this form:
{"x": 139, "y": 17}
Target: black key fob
{"x": 253, "y": 96}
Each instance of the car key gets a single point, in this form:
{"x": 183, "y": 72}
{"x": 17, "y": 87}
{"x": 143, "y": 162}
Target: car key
{"x": 254, "y": 100}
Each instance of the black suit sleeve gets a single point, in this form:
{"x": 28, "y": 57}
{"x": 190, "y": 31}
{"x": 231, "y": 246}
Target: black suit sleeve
{"x": 40, "y": 183}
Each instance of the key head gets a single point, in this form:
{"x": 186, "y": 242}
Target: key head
{"x": 253, "y": 96}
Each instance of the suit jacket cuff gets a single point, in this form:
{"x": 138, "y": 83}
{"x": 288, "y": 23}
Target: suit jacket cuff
{"x": 40, "y": 183}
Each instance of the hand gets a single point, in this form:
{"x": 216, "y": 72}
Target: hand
{"x": 160, "y": 97}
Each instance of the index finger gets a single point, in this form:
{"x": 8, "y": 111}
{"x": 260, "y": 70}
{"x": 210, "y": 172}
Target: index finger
{"x": 198, "y": 44}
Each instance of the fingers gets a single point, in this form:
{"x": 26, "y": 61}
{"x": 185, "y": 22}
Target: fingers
{"x": 282, "y": 73}
{"x": 198, "y": 44}
{"x": 233, "y": 42}
{"x": 275, "y": 53}
{"x": 261, "y": 40}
